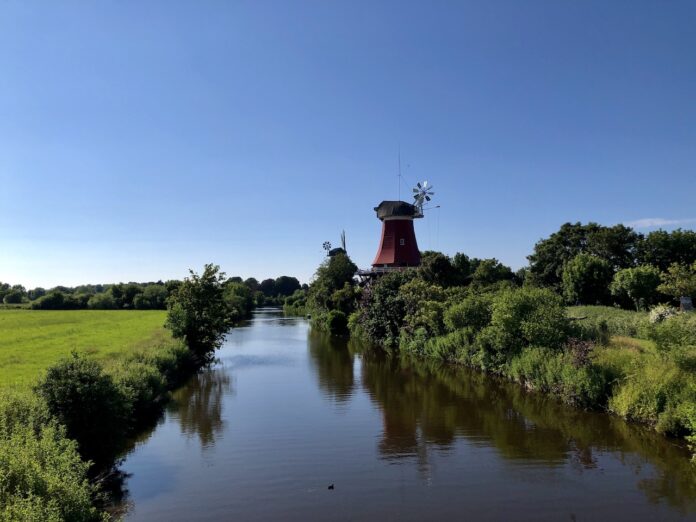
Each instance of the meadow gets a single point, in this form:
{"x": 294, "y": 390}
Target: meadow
{"x": 33, "y": 340}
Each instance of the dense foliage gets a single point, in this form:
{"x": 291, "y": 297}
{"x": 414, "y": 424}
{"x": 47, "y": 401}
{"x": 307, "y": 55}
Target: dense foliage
{"x": 89, "y": 404}
{"x": 198, "y": 312}
{"x": 478, "y": 313}
{"x": 139, "y": 296}
{"x": 333, "y": 294}
{"x": 42, "y": 477}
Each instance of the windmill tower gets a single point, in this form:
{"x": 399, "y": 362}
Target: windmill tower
{"x": 398, "y": 247}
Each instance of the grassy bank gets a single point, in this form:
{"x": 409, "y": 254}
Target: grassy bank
{"x": 31, "y": 341}
{"x": 595, "y": 357}
{"x": 65, "y": 418}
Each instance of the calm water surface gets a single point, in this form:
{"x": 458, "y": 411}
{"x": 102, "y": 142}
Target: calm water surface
{"x": 287, "y": 412}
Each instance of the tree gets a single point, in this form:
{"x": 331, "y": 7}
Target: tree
{"x": 617, "y": 245}
{"x": 267, "y": 286}
{"x": 239, "y": 299}
{"x": 332, "y": 275}
{"x": 637, "y": 284}
{"x": 586, "y": 279}
{"x": 286, "y": 285}
{"x": 153, "y": 297}
{"x": 252, "y": 283}
{"x": 437, "y": 268}
{"x": 13, "y": 297}
{"x": 679, "y": 281}
{"x": 462, "y": 267}
{"x": 198, "y": 312}
{"x": 35, "y": 293}
{"x": 491, "y": 271}
{"x": 662, "y": 249}
{"x": 103, "y": 301}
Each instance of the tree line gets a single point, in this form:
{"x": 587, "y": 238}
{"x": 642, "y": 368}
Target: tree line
{"x": 138, "y": 296}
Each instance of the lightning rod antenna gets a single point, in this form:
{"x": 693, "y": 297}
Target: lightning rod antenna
{"x": 399, "y": 171}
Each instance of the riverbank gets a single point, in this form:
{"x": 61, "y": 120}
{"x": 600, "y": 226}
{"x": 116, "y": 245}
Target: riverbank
{"x": 115, "y": 366}
{"x": 600, "y": 358}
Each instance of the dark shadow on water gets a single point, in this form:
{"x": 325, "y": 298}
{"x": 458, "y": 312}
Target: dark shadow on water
{"x": 333, "y": 363}
{"x": 428, "y": 406}
{"x": 198, "y": 405}
{"x": 433, "y": 404}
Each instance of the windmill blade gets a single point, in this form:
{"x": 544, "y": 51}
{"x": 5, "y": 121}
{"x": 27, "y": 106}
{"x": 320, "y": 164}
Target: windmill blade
{"x": 416, "y": 190}
{"x": 427, "y": 198}
{"x": 419, "y": 185}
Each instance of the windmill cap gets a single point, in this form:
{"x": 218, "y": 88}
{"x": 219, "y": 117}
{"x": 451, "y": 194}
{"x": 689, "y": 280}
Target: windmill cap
{"x": 387, "y": 209}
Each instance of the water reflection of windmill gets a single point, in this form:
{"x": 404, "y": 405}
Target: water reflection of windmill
{"x": 398, "y": 248}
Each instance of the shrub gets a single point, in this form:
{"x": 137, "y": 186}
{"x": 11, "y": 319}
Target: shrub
{"x": 42, "y": 477}
{"x": 474, "y": 312}
{"x": 523, "y": 317}
{"x": 174, "y": 362}
{"x": 142, "y": 385}
{"x": 661, "y": 312}
{"x": 88, "y": 403}
{"x": 675, "y": 333}
{"x": 455, "y": 346}
{"x": 382, "y": 310}
{"x": 336, "y": 322}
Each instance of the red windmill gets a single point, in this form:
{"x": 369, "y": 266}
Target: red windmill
{"x": 398, "y": 247}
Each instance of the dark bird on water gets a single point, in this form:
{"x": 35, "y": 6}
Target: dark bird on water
{"x": 331, "y": 486}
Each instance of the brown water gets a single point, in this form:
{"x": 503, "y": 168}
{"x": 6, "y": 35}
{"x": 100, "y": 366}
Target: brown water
{"x": 287, "y": 412}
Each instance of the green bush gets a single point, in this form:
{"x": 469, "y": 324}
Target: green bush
{"x": 473, "y": 311}
{"x": 454, "y": 347}
{"x": 142, "y": 385}
{"x": 674, "y": 333}
{"x": 175, "y": 363}
{"x": 523, "y": 317}
{"x": 336, "y": 322}
{"x": 89, "y": 404}
{"x": 42, "y": 477}
{"x": 382, "y": 310}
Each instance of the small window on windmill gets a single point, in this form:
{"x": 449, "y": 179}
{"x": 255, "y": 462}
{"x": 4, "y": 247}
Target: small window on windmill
{"x": 402, "y": 241}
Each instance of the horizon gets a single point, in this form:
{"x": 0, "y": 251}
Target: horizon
{"x": 139, "y": 142}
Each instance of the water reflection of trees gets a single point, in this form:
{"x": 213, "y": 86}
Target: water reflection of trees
{"x": 333, "y": 361}
{"x": 198, "y": 405}
{"x": 428, "y": 405}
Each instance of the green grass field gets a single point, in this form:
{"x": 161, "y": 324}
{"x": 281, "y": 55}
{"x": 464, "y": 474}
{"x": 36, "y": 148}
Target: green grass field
{"x": 32, "y": 340}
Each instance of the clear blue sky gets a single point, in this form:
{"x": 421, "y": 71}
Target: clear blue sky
{"x": 138, "y": 139}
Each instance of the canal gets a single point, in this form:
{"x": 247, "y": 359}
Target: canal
{"x": 286, "y": 413}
